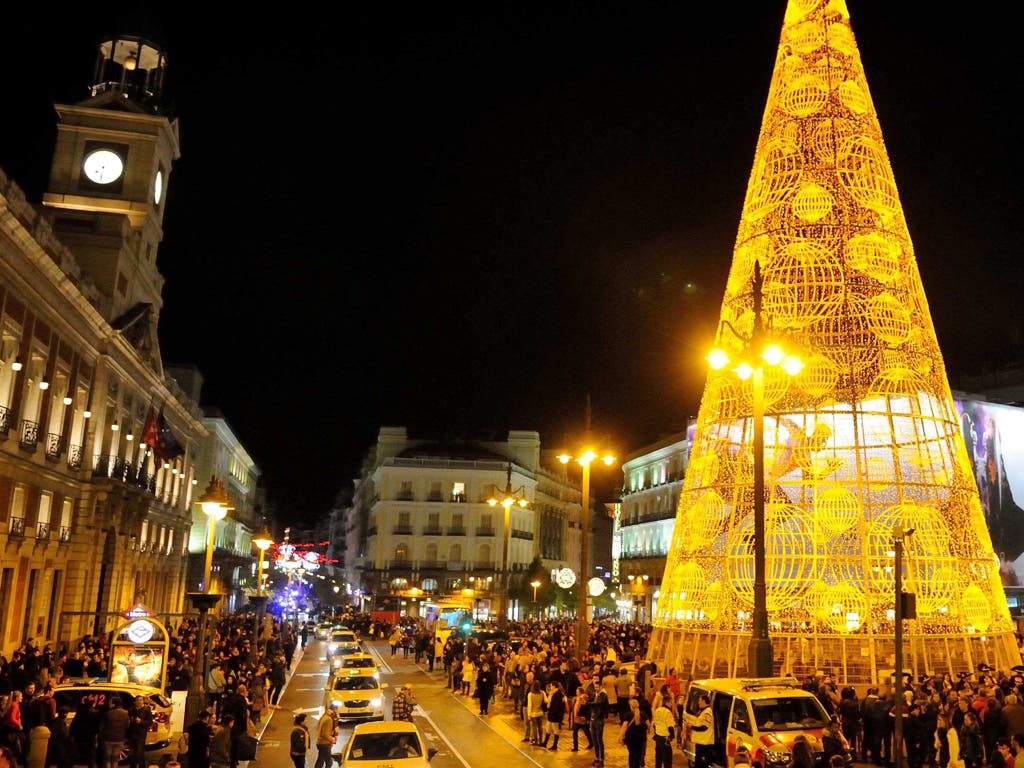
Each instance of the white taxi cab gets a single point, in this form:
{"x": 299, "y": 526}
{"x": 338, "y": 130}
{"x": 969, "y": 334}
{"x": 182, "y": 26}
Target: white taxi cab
{"x": 359, "y": 695}
{"x": 763, "y": 715}
{"x": 395, "y": 743}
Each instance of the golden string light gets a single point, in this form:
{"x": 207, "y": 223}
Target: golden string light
{"x": 865, "y": 439}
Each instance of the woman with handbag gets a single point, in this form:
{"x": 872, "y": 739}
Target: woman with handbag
{"x": 581, "y": 720}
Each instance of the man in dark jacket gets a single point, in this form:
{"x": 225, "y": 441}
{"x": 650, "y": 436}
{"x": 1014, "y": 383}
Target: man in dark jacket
{"x": 113, "y": 732}
{"x": 199, "y": 733}
{"x": 236, "y": 704}
{"x": 485, "y": 682}
{"x": 140, "y": 718}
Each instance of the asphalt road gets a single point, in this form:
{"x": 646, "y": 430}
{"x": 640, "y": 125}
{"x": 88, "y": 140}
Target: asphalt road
{"x": 450, "y": 722}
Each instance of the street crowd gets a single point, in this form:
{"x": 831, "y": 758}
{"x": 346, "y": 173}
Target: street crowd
{"x": 245, "y": 678}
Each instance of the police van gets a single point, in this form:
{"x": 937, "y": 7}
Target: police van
{"x": 762, "y": 715}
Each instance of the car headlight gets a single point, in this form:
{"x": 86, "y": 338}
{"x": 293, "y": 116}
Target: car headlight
{"x": 377, "y": 702}
{"x": 777, "y": 758}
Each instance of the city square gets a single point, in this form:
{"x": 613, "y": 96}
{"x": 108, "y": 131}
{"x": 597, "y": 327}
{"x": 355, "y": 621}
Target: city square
{"x": 288, "y": 562}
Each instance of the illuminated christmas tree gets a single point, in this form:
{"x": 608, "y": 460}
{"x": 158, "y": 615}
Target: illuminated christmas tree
{"x": 863, "y": 441}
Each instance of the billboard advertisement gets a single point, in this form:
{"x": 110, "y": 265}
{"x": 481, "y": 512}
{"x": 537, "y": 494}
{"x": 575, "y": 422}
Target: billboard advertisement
{"x": 994, "y": 435}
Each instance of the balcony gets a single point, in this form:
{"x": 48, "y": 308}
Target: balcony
{"x": 485, "y": 530}
{"x": 29, "y": 434}
{"x": 402, "y": 530}
{"x": 404, "y": 496}
{"x": 400, "y": 565}
{"x": 75, "y": 456}
{"x": 433, "y": 565}
{"x": 16, "y": 527}
{"x": 116, "y": 468}
{"x": 435, "y": 496}
{"x": 525, "y": 535}
{"x": 434, "y": 530}
{"x": 65, "y": 534}
{"x": 5, "y": 420}
{"x": 456, "y": 530}
{"x": 54, "y": 446}
{"x": 458, "y": 498}
{"x": 42, "y": 531}
{"x": 483, "y": 565}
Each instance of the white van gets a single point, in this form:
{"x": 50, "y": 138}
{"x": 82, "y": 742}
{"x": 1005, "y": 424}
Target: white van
{"x": 763, "y": 715}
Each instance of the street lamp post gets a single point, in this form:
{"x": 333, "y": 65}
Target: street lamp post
{"x": 535, "y": 584}
{"x": 582, "y": 611}
{"x": 637, "y": 586}
{"x": 262, "y": 540}
{"x": 214, "y": 503}
{"x": 757, "y": 352}
{"x": 899, "y": 536}
{"x": 507, "y": 499}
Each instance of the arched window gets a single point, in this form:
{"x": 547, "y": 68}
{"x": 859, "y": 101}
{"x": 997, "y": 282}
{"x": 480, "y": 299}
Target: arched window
{"x": 402, "y": 553}
{"x": 399, "y": 583}
{"x": 429, "y": 585}
{"x": 455, "y": 553}
{"x": 431, "y": 555}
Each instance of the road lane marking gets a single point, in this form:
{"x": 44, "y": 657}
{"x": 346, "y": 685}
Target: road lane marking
{"x": 444, "y": 738}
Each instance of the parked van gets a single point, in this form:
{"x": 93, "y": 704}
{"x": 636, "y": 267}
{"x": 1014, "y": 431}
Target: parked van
{"x": 763, "y": 715}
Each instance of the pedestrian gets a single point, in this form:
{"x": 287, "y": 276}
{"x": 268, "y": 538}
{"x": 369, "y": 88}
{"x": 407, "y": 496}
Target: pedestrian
{"x": 113, "y": 732}
{"x": 485, "y": 682}
{"x": 581, "y": 720}
{"x": 220, "y": 743}
{"x": 258, "y": 696}
{"x": 633, "y": 734}
{"x": 469, "y": 673}
{"x": 663, "y": 722}
{"x": 395, "y": 640}
{"x": 947, "y": 742}
{"x": 85, "y": 726}
{"x": 215, "y": 684}
{"x": 199, "y": 734}
{"x": 277, "y": 679}
{"x": 60, "y": 749}
{"x": 1002, "y": 757}
{"x": 303, "y": 636}
{"x": 326, "y": 734}
{"x": 7, "y": 758}
{"x": 12, "y": 729}
{"x": 555, "y": 713}
{"x": 140, "y": 718}
{"x": 803, "y": 755}
{"x": 972, "y": 751}
{"x": 598, "y": 714}
{"x": 236, "y": 704}
{"x": 703, "y": 733}
{"x": 534, "y": 713}
{"x": 401, "y": 707}
{"x": 298, "y": 742}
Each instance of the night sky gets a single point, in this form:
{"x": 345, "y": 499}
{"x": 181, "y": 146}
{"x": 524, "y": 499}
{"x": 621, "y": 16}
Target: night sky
{"x": 465, "y": 219}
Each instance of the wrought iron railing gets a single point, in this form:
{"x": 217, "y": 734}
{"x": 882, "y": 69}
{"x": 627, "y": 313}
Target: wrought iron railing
{"x": 456, "y": 531}
{"x": 43, "y": 531}
{"x": 65, "y": 534}
{"x": 75, "y": 456}
{"x": 54, "y": 446}
{"x": 404, "y": 496}
{"x": 526, "y": 535}
{"x": 29, "y": 433}
{"x": 116, "y": 468}
{"x": 16, "y": 527}
{"x": 401, "y": 565}
{"x": 485, "y": 530}
{"x": 402, "y": 530}
{"x": 433, "y": 531}
{"x": 434, "y": 496}
{"x": 5, "y": 419}
{"x": 433, "y": 565}
{"x": 459, "y": 498}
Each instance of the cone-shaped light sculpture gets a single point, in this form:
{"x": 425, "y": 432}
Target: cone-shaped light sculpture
{"x": 864, "y": 440}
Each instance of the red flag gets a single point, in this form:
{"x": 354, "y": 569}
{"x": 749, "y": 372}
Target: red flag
{"x": 151, "y": 432}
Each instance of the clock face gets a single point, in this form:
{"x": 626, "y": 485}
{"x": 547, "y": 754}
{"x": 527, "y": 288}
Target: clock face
{"x": 103, "y": 166}
{"x": 158, "y": 187}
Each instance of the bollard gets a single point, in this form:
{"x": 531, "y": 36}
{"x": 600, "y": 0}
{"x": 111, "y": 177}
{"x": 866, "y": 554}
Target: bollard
{"x": 39, "y": 740}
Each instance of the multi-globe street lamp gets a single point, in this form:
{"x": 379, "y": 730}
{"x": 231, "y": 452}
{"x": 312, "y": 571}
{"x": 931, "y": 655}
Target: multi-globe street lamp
{"x": 507, "y": 499}
{"x": 758, "y": 349}
{"x": 584, "y": 459}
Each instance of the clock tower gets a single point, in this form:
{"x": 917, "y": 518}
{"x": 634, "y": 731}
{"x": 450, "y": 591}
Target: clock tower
{"x": 109, "y": 182}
